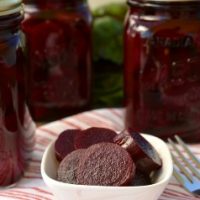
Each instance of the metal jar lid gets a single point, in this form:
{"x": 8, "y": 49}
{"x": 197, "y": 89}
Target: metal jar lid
{"x": 8, "y": 7}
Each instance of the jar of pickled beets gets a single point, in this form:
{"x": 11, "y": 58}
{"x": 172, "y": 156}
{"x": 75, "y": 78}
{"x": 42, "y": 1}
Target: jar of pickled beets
{"x": 58, "y": 36}
{"x": 16, "y": 126}
{"x": 162, "y": 68}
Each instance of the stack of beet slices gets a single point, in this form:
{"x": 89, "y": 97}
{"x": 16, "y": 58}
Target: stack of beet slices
{"x": 100, "y": 156}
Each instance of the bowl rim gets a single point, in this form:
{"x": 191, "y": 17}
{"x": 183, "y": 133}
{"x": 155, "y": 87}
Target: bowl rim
{"x": 54, "y": 182}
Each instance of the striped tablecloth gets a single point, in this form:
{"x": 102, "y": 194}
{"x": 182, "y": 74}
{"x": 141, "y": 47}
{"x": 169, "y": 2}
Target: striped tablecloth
{"x": 32, "y": 187}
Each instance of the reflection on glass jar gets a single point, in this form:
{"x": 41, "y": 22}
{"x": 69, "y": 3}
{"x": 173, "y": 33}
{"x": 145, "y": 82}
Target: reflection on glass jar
{"x": 59, "y": 57}
{"x": 162, "y": 74}
{"x": 16, "y": 126}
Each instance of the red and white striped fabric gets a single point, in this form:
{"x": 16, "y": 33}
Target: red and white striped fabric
{"x": 32, "y": 187}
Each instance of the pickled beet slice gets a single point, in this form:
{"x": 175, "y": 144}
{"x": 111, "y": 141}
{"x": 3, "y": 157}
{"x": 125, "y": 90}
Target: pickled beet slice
{"x": 68, "y": 166}
{"x": 143, "y": 153}
{"x": 65, "y": 143}
{"x": 105, "y": 164}
{"x": 92, "y": 136}
{"x": 140, "y": 179}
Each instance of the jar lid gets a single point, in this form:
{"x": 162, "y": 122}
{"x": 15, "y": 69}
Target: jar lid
{"x": 8, "y": 7}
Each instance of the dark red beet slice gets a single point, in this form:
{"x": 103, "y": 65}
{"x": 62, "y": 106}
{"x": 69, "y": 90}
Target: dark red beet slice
{"x": 140, "y": 179}
{"x": 68, "y": 166}
{"x": 92, "y": 136}
{"x": 65, "y": 143}
{"x": 143, "y": 153}
{"x": 105, "y": 164}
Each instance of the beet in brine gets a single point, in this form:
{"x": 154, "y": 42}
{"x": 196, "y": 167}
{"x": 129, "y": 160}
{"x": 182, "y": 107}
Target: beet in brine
{"x": 162, "y": 73}
{"x": 16, "y": 126}
{"x": 58, "y": 35}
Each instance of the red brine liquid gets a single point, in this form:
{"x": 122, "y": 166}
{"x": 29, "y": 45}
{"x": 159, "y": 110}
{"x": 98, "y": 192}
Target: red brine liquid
{"x": 162, "y": 69}
{"x": 16, "y": 126}
{"x": 59, "y": 57}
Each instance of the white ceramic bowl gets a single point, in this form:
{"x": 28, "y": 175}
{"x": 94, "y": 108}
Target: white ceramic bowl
{"x": 64, "y": 191}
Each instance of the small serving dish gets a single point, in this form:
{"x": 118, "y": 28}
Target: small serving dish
{"x": 65, "y": 191}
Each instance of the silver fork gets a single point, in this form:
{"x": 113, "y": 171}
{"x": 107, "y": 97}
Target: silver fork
{"x": 186, "y": 168}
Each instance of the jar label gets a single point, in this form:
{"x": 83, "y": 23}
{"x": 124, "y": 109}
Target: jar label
{"x": 172, "y": 42}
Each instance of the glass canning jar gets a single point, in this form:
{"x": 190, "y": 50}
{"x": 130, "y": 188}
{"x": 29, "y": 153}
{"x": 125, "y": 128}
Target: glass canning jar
{"x": 58, "y": 35}
{"x": 16, "y": 126}
{"x": 162, "y": 68}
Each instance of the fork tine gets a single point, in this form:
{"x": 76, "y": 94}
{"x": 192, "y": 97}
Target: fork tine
{"x": 194, "y": 158}
{"x": 179, "y": 165}
{"x": 182, "y": 169}
{"x": 188, "y": 164}
{"x": 181, "y": 179}
{"x": 178, "y": 176}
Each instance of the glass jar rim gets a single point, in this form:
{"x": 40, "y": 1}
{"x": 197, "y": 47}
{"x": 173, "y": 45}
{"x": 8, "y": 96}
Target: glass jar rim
{"x": 165, "y": 4}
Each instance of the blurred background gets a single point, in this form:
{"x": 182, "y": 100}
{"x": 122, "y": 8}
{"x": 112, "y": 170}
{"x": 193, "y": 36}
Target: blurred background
{"x": 108, "y": 18}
